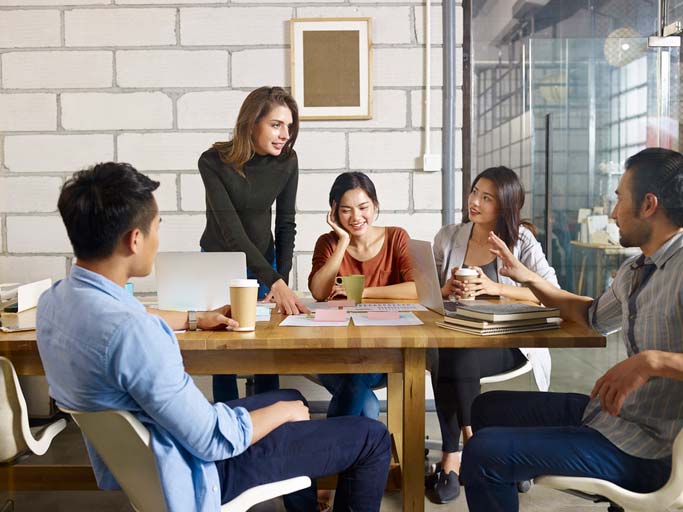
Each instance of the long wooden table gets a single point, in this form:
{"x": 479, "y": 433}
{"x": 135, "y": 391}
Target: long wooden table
{"x": 398, "y": 351}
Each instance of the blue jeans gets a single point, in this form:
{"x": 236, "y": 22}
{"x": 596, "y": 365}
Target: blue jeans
{"x": 522, "y": 435}
{"x": 352, "y": 393}
{"x": 225, "y": 386}
{"x": 357, "y": 449}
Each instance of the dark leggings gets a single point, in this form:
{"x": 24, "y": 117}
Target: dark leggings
{"x": 456, "y": 384}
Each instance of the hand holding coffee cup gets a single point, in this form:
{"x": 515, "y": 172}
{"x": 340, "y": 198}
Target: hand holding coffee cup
{"x": 243, "y": 297}
{"x": 461, "y": 279}
{"x": 354, "y": 286}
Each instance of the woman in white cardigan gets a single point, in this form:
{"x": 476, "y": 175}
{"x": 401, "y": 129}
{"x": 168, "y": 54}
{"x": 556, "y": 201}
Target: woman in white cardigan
{"x": 494, "y": 204}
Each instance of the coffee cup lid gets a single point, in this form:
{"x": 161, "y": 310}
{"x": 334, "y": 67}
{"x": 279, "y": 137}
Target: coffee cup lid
{"x": 244, "y": 283}
{"x": 466, "y": 272}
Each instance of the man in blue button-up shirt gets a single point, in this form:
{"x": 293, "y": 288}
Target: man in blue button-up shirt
{"x": 102, "y": 350}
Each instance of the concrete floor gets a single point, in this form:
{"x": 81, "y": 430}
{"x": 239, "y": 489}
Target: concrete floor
{"x": 573, "y": 370}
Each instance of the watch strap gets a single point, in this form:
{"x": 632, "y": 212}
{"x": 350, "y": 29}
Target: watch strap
{"x": 192, "y": 320}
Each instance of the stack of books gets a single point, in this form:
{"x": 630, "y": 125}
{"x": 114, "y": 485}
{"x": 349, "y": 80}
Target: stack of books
{"x": 487, "y": 319}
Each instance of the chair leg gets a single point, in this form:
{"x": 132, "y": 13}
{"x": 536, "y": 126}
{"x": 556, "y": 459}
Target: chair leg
{"x": 8, "y": 506}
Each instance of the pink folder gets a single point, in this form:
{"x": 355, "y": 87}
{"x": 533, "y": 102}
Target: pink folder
{"x": 329, "y": 315}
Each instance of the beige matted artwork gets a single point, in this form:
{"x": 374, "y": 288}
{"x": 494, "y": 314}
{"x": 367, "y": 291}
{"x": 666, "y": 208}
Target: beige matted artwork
{"x": 331, "y": 61}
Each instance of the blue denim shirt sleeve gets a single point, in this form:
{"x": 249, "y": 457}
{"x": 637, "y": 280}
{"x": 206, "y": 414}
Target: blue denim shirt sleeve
{"x": 149, "y": 367}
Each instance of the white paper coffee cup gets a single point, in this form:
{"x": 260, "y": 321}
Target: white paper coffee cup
{"x": 243, "y": 297}
{"x": 464, "y": 275}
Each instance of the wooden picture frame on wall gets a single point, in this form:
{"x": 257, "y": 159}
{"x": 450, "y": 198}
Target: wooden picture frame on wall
{"x": 331, "y": 64}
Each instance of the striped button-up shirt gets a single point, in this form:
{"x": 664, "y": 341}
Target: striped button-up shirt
{"x": 651, "y": 416}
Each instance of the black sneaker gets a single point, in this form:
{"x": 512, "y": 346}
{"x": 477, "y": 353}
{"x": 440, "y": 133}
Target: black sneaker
{"x": 447, "y": 488}
{"x": 431, "y": 480}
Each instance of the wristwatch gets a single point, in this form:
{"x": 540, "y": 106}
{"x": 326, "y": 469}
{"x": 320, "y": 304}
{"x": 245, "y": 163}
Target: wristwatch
{"x": 191, "y": 320}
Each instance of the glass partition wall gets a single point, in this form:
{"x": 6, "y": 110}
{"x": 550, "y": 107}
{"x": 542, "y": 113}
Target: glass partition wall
{"x": 563, "y": 92}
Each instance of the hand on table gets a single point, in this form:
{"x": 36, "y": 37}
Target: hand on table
{"x": 285, "y": 299}
{"x": 215, "y": 318}
{"x": 337, "y": 291}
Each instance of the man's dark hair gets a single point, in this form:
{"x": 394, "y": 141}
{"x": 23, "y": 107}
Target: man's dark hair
{"x": 658, "y": 171}
{"x": 104, "y": 202}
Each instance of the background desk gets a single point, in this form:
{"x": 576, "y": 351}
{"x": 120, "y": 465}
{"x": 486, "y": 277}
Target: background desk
{"x": 399, "y": 351}
{"x": 606, "y": 257}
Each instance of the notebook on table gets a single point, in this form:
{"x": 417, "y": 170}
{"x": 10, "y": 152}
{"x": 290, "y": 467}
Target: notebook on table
{"x": 505, "y": 312}
{"x": 494, "y": 331}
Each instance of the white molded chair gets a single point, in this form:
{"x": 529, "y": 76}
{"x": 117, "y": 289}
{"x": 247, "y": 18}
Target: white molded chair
{"x": 124, "y": 445}
{"x": 16, "y": 439}
{"x": 516, "y": 372}
{"x": 669, "y": 497}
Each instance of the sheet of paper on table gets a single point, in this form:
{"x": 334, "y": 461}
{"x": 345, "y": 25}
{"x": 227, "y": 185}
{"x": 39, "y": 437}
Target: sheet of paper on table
{"x": 310, "y": 321}
{"x": 367, "y": 320}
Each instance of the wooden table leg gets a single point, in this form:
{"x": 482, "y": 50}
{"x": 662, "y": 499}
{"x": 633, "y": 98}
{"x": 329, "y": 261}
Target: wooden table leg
{"x": 395, "y": 409}
{"x": 412, "y": 460}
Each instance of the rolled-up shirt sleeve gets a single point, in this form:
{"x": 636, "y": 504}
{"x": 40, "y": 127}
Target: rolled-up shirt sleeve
{"x": 604, "y": 315}
{"x": 145, "y": 361}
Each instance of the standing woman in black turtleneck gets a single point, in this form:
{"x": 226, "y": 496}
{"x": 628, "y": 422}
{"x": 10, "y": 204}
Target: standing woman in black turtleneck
{"x": 243, "y": 178}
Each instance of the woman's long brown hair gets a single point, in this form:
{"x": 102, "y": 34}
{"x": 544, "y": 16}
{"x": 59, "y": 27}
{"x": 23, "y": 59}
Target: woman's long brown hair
{"x": 258, "y": 103}
{"x": 510, "y": 203}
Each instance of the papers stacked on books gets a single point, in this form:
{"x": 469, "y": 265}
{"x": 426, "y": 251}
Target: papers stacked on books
{"x": 488, "y": 319}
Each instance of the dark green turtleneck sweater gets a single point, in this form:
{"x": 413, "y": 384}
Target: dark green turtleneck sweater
{"x": 239, "y": 211}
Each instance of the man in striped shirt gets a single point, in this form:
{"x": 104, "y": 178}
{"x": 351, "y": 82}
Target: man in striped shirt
{"x": 625, "y": 430}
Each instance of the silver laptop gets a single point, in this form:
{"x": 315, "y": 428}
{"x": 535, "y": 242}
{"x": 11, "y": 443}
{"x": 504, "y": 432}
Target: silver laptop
{"x": 197, "y": 281}
{"x": 427, "y": 278}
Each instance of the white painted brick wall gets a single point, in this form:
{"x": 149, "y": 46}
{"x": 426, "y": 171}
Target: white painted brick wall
{"x": 56, "y": 69}
{"x": 29, "y": 29}
{"x": 166, "y": 195}
{"x": 28, "y": 112}
{"x": 427, "y": 190}
{"x": 418, "y": 108}
{"x": 181, "y": 232}
{"x": 384, "y": 150}
{"x": 303, "y": 267}
{"x": 29, "y": 194}
{"x": 156, "y": 82}
{"x": 24, "y": 269}
{"x": 56, "y": 153}
{"x": 192, "y": 193}
{"x": 37, "y": 234}
{"x": 213, "y": 109}
{"x": 254, "y": 68}
{"x": 119, "y": 27}
{"x": 113, "y": 111}
{"x": 404, "y": 67}
{"x": 321, "y": 150}
{"x": 314, "y": 189}
{"x": 176, "y": 68}
{"x": 235, "y": 26}
{"x": 164, "y": 151}
{"x": 437, "y": 25}
{"x": 390, "y": 25}
{"x": 27, "y": 3}
{"x": 389, "y": 111}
